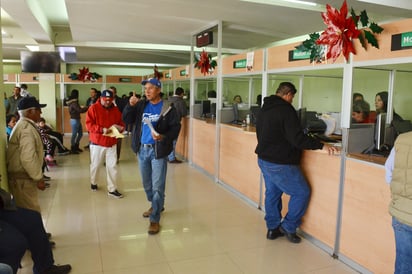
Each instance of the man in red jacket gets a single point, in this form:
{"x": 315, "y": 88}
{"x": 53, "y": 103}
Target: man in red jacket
{"x": 103, "y": 119}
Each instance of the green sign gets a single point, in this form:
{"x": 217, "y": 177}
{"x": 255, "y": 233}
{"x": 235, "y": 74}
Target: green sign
{"x": 125, "y": 80}
{"x": 183, "y": 72}
{"x": 167, "y": 75}
{"x": 239, "y": 64}
{"x": 300, "y": 55}
{"x": 406, "y": 40}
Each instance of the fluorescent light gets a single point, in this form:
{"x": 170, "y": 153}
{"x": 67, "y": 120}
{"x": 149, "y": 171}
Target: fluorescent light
{"x": 32, "y": 48}
{"x": 403, "y": 4}
{"x": 296, "y": 4}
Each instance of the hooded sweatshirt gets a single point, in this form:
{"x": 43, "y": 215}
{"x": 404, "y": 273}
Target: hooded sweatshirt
{"x": 279, "y": 133}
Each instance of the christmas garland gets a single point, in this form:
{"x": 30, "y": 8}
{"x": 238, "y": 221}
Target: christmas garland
{"x": 204, "y": 62}
{"x": 85, "y": 75}
{"x": 339, "y": 34}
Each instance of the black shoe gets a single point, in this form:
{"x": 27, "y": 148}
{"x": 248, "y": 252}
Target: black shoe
{"x": 292, "y": 237}
{"x": 58, "y": 269}
{"x": 74, "y": 152}
{"x": 46, "y": 178}
{"x": 274, "y": 233}
{"x": 93, "y": 187}
{"x": 86, "y": 147}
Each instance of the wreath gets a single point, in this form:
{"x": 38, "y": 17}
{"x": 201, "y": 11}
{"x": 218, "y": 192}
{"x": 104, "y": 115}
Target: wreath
{"x": 339, "y": 34}
{"x": 204, "y": 62}
{"x": 85, "y": 75}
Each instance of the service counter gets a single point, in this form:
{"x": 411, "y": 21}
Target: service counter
{"x": 182, "y": 145}
{"x": 204, "y": 142}
{"x": 367, "y": 236}
{"x": 238, "y": 166}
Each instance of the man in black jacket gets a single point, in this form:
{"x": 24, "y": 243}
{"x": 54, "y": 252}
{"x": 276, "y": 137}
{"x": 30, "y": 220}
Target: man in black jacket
{"x": 157, "y": 125}
{"x": 279, "y": 149}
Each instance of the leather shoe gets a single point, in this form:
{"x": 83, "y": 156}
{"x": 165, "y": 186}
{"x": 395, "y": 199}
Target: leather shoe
{"x": 147, "y": 213}
{"x": 274, "y": 233}
{"x": 175, "y": 161}
{"x": 154, "y": 228}
{"x": 58, "y": 269}
{"x": 292, "y": 237}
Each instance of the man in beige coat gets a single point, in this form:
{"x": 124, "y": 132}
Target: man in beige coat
{"x": 25, "y": 156}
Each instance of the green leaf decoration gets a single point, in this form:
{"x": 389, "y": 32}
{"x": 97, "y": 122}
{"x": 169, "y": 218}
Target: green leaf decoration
{"x": 370, "y": 37}
{"x": 375, "y": 28}
{"x": 364, "y": 18}
{"x": 362, "y": 40}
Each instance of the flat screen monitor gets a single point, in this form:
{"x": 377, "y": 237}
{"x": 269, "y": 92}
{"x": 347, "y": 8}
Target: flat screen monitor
{"x": 380, "y": 129}
{"x": 40, "y": 62}
{"x": 205, "y": 107}
{"x": 235, "y": 109}
{"x": 254, "y": 112}
{"x": 302, "y": 118}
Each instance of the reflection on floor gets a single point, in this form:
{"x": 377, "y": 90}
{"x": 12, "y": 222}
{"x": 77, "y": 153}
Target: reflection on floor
{"x": 204, "y": 228}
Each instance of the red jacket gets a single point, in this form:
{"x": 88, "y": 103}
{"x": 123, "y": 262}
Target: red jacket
{"x": 99, "y": 117}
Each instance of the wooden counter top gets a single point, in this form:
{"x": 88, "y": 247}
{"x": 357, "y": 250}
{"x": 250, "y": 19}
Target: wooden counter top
{"x": 368, "y": 158}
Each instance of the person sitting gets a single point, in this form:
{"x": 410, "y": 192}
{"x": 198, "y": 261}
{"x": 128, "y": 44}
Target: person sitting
{"x": 55, "y": 137}
{"x": 23, "y": 229}
{"x": 381, "y": 105}
{"x": 237, "y": 99}
{"x": 11, "y": 121}
{"x": 360, "y": 112}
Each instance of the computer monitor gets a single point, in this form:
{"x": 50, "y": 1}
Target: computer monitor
{"x": 235, "y": 109}
{"x": 302, "y": 118}
{"x": 205, "y": 108}
{"x": 254, "y": 111}
{"x": 380, "y": 130}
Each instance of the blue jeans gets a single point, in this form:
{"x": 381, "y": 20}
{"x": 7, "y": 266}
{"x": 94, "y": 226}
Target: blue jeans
{"x": 5, "y": 269}
{"x": 281, "y": 179}
{"x": 153, "y": 172}
{"x": 77, "y": 131}
{"x": 172, "y": 155}
{"x": 403, "y": 241}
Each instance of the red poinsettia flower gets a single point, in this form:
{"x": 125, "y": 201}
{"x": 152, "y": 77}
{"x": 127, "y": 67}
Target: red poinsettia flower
{"x": 340, "y": 32}
{"x": 84, "y": 74}
{"x": 204, "y": 62}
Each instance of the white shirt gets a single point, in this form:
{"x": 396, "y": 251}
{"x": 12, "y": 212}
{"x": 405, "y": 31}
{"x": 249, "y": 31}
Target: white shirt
{"x": 389, "y": 165}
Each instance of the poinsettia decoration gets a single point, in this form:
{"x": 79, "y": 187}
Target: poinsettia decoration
{"x": 204, "y": 62}
{"x": 85, "y": 75}
{"x": 340, "y": 32}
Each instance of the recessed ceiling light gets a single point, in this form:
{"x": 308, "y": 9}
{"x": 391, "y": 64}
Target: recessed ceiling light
{"x": 297, "y": 4}
{"x": 32, "y": 48}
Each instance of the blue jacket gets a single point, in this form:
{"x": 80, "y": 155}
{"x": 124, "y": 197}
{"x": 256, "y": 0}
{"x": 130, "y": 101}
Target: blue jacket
{"x": 168, "y": 126}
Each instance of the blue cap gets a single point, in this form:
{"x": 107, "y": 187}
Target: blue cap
{"x": 107, "y": 94}
{"x": 153, "y": 81}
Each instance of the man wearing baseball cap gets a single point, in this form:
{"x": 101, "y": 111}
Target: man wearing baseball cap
{"x": 101, "y": 119}
{"x": 25, "y": 156}
{"x": 156, "y": 126}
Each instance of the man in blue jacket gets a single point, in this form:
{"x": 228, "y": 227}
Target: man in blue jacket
{"x": 279, "y": 149}
{"x": 157, "y": 125}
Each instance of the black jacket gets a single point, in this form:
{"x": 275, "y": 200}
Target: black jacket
{"x": 279, "y": 133}
{"x": 168, "y": 126}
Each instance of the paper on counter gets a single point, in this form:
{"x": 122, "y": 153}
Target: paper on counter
{"x": 114, "y": 133}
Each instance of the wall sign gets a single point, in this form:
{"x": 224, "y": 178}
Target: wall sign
{"x": 125, "y": 80}
{"x": 239, "y": 64}
{"x": 401, "y": 41}
{"x": 182, "y": 72}
{"x": 295, "y": 55}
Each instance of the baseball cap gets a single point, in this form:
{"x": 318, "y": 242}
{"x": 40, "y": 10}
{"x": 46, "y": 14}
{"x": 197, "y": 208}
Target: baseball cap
{"x": 7, "y": 200}
{"x": 107, "y": 95}
{"x": 29, "y": 102}
{"x": 153, "y": 81}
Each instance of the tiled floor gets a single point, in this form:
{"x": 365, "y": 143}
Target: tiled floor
{"x": 205, "y": 229}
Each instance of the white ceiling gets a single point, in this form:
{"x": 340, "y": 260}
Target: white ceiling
{"x": 160, "y": 32}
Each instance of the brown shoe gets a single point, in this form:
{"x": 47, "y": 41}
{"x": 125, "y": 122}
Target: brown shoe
{"x": 175, "y": 161}
{"x": 153, "y": 228}
{"x": 147, "y": 213}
